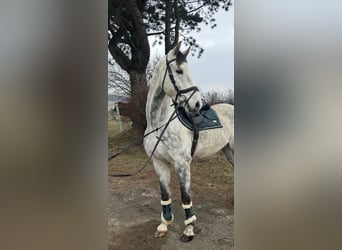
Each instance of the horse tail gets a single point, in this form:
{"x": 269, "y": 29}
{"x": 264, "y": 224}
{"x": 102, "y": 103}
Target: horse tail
{"x": 228, "y": 151}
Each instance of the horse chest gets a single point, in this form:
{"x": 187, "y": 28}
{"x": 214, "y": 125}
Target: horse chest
{"x": 173, "y": 145}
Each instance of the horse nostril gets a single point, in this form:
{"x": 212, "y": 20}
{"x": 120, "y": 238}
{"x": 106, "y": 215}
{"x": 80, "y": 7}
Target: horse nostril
{"x": 198, "y": 104}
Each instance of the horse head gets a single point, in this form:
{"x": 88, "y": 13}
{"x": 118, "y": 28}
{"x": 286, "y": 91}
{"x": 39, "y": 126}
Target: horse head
{"x": 178, "y": 83}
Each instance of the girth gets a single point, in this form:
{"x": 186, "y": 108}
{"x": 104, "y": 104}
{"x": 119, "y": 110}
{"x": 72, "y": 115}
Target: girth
{"x": 195, "y": 135}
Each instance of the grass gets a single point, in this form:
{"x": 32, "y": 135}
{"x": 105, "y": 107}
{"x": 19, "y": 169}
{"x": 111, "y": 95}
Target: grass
{"x": 114, "y": 127}
{"x": 212, "y": 175}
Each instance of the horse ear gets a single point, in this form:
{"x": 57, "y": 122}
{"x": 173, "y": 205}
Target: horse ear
{"x": 186, "y": 53}
{"x": 176, "y": 49}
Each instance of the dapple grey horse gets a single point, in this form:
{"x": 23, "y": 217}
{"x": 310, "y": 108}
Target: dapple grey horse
{"x": 172, "y": 85}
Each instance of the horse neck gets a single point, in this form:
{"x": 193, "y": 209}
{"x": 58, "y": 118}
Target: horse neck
{"x": 158, "y": 106}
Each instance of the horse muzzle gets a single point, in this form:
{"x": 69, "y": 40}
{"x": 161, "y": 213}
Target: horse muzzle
{"x": 193, "y": 105}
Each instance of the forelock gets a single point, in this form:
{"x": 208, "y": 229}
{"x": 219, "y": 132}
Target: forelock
{"x": 180, "y": 58}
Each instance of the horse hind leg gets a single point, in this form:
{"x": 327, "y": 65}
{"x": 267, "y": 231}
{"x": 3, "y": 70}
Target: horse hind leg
{"x": 163, "y": 173}
{"x": 228, "y": 151}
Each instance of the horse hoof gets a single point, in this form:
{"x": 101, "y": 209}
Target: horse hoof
{"x": 184, "y": 238}
{"x": 160, "y": 234}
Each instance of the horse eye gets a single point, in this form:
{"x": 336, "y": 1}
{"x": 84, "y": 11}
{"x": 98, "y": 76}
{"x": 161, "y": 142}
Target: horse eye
{"x": 179, "y": 71}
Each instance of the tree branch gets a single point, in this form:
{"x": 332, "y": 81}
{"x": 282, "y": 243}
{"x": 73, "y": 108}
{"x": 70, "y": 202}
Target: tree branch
{"x": 119, "y": 56}
{"x": 167, "y": 38}
{"x": 198, "y": 8}
{"x": 156, "y": 33}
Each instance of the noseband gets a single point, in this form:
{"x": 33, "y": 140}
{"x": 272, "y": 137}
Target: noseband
{"x": 194, "y": 89}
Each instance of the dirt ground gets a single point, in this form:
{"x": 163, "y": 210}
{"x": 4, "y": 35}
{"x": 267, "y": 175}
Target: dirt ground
{"x": 134, "y": 202}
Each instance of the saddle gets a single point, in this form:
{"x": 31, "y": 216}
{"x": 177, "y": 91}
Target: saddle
{"x": 205, "y": 119}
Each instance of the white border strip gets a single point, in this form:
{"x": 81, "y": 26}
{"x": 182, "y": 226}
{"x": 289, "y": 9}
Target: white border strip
{"x": 163, "y": 203}
{"x": 190, "y": 220}
{"x": 187, "y": 206}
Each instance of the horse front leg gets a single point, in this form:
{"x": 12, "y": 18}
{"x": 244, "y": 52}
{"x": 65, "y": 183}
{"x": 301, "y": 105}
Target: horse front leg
{"x": 163, "y": 173}
{"x": 183, "y": 172}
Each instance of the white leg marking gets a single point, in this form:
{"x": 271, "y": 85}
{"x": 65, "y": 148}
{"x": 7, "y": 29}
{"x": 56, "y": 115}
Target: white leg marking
{"x": 161, "y": 231}
{"x": 162, "y": 228}
{"x": 189, "y": 230}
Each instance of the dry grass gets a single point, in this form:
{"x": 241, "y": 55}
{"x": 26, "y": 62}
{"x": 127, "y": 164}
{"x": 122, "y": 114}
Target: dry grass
{"x": 212, "y": 177}
{"x": 114, "y": 127}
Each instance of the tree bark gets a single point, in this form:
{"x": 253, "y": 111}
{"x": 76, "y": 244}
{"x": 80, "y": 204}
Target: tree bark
{"x": 135, "y": 109}
{"x": 138, "y": 99}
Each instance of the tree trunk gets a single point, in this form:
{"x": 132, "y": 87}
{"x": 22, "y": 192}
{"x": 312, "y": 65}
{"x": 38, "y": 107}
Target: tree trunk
{"x": 135, "y": 109}
{"x": 168, "y": 9}
{"x": 171, "y": 37}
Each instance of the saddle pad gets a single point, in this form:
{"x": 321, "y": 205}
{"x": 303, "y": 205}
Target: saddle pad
{"x": 207, "y": 119}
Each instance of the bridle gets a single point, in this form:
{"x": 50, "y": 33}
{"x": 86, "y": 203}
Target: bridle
{"x": 180, "y": 92}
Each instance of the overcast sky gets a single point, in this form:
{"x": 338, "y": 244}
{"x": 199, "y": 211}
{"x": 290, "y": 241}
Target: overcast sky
{"x": 214, "y": 70}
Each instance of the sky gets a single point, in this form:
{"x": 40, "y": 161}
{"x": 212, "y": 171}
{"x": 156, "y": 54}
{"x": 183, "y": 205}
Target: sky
{"x": 214, "y": 70}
